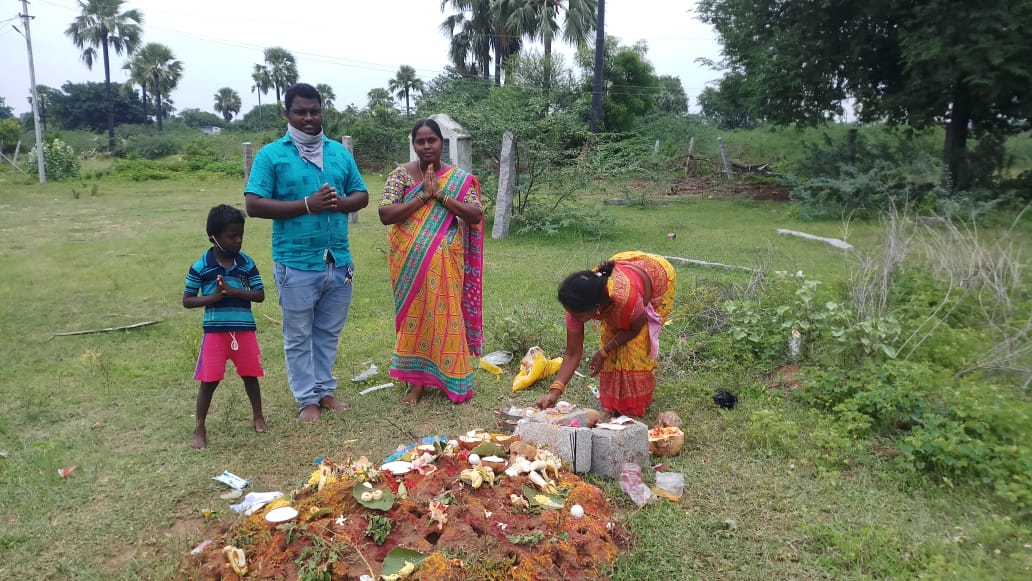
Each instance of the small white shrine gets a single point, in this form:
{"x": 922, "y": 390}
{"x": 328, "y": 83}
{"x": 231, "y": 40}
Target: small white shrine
{"x": 458, "y": 147}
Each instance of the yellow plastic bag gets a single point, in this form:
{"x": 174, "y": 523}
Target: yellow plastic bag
{"x": 491, "y": 368}
{"x": 533, "y": 367}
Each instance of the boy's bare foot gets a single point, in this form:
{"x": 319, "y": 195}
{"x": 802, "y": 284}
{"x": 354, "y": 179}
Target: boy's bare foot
{"x": 309, "y": 414}
{"x": 413, "y": 396}
{"x": 259, "y": 425}
{"x": 330, "y": 403}
{"x": 200, "y": 440}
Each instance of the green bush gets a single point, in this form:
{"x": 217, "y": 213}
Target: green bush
{"x": 60, "y": 160}
{"x": 141, "y": 170}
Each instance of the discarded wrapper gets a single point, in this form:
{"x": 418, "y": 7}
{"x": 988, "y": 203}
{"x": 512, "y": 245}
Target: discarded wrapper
{"x": 373, "y": 370}
{"x": 231, "y": 480}
{"x": 64, "y": 472}
{"x": 375, "y": 388}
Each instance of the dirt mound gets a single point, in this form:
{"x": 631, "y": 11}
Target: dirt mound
{"x": 490, "y": 532}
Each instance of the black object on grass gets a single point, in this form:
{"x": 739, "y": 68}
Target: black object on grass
{"x": 725, "y": 399}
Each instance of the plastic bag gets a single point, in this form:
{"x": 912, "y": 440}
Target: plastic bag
{"x": 373, "y": 370}
{"x": 498, "y": 358}
{"x": 669, "y": 485}
{"x": 631, "y": 483}
{"x": 533, "y": 367}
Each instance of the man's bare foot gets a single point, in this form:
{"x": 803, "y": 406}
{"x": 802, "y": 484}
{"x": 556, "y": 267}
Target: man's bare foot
{"x": 259, "y": 424}
{"x": 309, "y": 414}
{"x": 413, "y": 396}
{"x": 330, "y": 403}
{"x": 200, "y": 440}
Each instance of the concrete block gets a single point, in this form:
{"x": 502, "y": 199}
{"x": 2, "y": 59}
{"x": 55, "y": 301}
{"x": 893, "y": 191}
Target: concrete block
{"x": 572, "y": 445}
{"x": 611, "y": 448}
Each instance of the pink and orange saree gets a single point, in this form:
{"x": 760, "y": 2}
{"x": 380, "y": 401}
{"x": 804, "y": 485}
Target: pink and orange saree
{"x": 436, "y": 265}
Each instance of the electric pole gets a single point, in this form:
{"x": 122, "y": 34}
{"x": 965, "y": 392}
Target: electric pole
{"x": 600, "y": 49}
{"x": 35, "y": 94}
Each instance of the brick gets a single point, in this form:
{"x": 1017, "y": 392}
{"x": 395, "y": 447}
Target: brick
{"x": 611, "y": 448}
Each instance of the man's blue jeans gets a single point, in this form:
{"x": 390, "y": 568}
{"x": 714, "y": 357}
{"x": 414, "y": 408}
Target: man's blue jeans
{"x": 315, "y": 307}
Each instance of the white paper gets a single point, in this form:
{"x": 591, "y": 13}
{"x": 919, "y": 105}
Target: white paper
{"x": 612, "y": 426}
{"x": 375, "y": 387}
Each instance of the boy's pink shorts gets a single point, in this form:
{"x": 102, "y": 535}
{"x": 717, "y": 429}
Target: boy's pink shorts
{"x": 217, "y": 348}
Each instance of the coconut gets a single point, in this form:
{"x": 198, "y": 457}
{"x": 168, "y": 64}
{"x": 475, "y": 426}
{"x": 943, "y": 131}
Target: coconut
{"x": 666, "y": 441}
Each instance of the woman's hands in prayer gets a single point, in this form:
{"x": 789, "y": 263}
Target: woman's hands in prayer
{"x": 431, "y": 186}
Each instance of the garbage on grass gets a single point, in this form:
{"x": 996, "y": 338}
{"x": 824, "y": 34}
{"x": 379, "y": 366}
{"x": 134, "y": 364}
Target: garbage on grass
{"x": 375, "y": 388}
{"x": 631, "y": 483}
{"x": 669, "y": 485}
{"x": 254, "y": 501}
{"x": 371, "y": 371}
{"x": 533, "y": 367}
{"x": 491, "y": 368}
{"x": 498, "y": 358}
{"x": 231, "y": 480}
{"x": 725, "y": 399}
{"x": 64, "y": 472}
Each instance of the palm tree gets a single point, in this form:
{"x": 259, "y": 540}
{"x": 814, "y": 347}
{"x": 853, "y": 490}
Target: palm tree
{"x": 262, "y": 84}
{"x": 379, "y": 99}
{"x": 227, "y": 102}
{"x": 139, "y": 76}
{"x": 470, "y": 32}
{"x": 282, "y": 68}
{"x": 164, "y": 72}
{"x": 101, "y": 25}
{"x": 327, "y": 94}
{"x": 404, "y": 82}
{"x": 539, "y": 20}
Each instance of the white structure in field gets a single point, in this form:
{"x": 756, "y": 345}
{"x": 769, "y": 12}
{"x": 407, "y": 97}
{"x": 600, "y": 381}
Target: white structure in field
{"x": 458, "y": 147}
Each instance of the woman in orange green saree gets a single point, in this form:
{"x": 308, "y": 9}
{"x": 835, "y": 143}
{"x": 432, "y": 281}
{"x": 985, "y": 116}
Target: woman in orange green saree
{"x": 435, "y": 228}
{"x": 630, "y": 295}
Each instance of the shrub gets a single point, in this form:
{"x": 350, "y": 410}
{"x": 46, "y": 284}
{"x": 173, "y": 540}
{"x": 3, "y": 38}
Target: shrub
{"x": 60, "y": 160}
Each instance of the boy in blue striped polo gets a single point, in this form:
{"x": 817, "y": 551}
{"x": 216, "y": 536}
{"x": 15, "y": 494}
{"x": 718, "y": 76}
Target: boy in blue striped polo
{"x": 225, "y": 281}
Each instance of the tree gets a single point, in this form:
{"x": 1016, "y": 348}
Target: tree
{"x": 327, "y": 94}
{"x": 198, "y": 118}
{"x": 262, "y": 84}
{"x": 403, "y": 83}
{"x": 631, "y": 86}
{"x": 83, "y": 106}
{"x": 160, "y": 64}
{"x": 101, "y": 25}
{"x": 6, "y": 112}
{"x": 961, "y": 64}
{"x": 46, "y": 97}
{"x": 282, "y": 68}
{"x": 139, "y": 75}
{"x": 379, "y": 99}
{"x": 540, "y": 20}
{"x": 470, "y": 31}
{"x": 227, "y": 102}
{"x": 730, "y": 105}
{"x": 671, "y": 97}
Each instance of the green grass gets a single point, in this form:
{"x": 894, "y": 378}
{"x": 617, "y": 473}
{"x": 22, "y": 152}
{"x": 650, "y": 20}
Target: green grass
{"x": 119, "y": 405}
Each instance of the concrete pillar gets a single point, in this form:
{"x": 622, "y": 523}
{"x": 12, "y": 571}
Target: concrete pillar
{"x": 506, "y": 184}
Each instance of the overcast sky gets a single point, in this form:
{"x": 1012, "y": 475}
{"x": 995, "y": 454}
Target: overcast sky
{"x": 352, "y": 46}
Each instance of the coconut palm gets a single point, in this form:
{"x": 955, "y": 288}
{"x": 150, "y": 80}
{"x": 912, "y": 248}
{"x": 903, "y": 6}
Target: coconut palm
{"x": 101, "y": 24}
{"x": 138, "y": 75}
{"x": 379, "y": 99}
{"x": 164, "y": 71}
{"x": 262, "y": 84}
{"x": 403, "y": 83}
{"x": 540, "y": 20}
{"x": 327, "y": 94}
{"x": 282, "y": 68}
{"x": 470, "y": 30}
{"x": 227, "y": 102}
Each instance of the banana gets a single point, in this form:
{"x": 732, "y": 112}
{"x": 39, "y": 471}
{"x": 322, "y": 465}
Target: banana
{"x": 474, "y": 477}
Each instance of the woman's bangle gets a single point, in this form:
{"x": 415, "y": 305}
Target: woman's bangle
{"x": 307, "y": 209}
{"x": 422, "y": 198}
{"x": 557, "y": 385}
{"x": 603, "y": 351}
